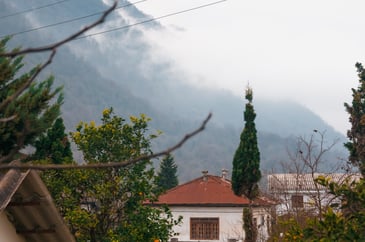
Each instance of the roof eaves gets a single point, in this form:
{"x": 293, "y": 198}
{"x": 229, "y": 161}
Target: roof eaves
{"x": 9, "y": 184}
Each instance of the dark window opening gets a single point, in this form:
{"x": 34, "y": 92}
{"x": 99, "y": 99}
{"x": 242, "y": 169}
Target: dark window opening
{"x": 204, "y": 228}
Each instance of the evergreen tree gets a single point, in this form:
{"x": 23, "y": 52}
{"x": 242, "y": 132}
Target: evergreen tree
{"x": 167, "y": 177}
{"x": 246, "y": 162}
{"x": 249, "y": 226}
{"x": 54, "y": 146}
{"x": 28, "y": 114}
{"x": 114, "y": 197}
{"x": 344, "y": 220}
{"x": 356, "y": 134}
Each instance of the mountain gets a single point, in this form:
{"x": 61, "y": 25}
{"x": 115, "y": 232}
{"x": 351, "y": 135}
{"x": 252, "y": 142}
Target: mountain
{"x": 118, "y": 70}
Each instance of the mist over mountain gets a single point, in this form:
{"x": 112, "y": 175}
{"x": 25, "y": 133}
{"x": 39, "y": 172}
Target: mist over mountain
{"x": 118, "y": 70}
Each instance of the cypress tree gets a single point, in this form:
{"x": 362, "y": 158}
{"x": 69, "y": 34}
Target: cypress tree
{"x": 55, "y": 145}
{"x": 167, "y": 177}
{"x": 246, "y": 162}
{"x": 356, "y": 134}
{"x": 249, "y": 226}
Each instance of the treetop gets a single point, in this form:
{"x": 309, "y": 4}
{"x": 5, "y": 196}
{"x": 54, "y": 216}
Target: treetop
{"x": 249, "y": 94}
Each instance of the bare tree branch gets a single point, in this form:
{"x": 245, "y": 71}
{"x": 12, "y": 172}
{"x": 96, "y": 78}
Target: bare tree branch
{"x": 110, "y": 164}
{"x": 54, "y": 46}
{"x": 4, "y": 120}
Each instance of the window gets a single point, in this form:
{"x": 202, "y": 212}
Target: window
{"x": 204, "y": 228}
{"x": 262, "y": 221}
{"x": 297, "y": 201}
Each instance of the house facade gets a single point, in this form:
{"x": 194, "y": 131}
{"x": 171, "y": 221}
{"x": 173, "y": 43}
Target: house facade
{"x": 299, "y": 192}
{"x": 212, "y": 212}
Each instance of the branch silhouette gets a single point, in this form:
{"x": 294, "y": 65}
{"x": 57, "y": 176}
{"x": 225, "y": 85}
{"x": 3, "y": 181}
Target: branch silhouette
{"x": 123, "y": 163}
{"x": 40, "y": 68}
{"x": 54, "y": 46}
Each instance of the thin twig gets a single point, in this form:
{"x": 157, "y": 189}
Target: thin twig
{"x": 54, "y": 46}
{"x": 110, "y": 164}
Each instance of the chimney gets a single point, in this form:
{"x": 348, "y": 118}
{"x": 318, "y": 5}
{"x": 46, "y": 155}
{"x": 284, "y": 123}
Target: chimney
{"x": 205, "y": 175}
{"x": 224, "y": 174}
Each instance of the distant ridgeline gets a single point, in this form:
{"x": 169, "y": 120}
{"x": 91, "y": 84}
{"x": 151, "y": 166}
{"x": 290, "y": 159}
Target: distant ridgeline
{"x": 118, "y": 72}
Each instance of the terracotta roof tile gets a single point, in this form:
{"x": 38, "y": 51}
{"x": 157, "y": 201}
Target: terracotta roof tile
{"x": 206, "y": 190}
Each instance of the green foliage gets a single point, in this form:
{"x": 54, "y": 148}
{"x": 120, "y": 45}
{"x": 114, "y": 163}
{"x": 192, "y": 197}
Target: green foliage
{"x": 167, "y": 177}
{"x": 124, "y": 141}
{"x": 249, "y": 226}
{"x": 356, "y": 134}
{"x": 55, "y": 145}
{"x": 109, "y": 204}
{"x": 246, "y": 162}
{"x": 32, "y": 109}
{"x": 343, "y": 222}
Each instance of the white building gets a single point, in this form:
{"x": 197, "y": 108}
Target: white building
{"x": 300, "y": 192}
{"x": 212, "y": 212}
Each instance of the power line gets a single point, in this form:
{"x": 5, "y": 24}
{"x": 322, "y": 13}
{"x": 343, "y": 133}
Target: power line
{"x": 152, "y": 19}
{"x": 32, "y": 9}
{"x": 69, "y": 20}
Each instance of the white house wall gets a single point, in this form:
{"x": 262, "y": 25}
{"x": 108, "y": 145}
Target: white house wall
{"x": 308, "y": 200}
{"x": 230, "y": 221}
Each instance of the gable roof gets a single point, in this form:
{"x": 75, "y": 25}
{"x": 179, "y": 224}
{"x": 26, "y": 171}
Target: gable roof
{"x": 292, "y": 182}
{"x": 207, "y": 190}
{"x": 25, "y": 198}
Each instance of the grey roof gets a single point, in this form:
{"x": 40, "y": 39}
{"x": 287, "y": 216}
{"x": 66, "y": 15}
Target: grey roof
{"x": 29, "y": 206}
{"x": 293, "y": 182}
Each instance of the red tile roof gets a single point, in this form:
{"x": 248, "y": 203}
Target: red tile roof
{"x": 206, "y": 190}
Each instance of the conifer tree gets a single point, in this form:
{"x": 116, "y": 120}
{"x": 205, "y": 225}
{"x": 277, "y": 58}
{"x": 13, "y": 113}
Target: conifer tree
{"x": 167, "y": 177}
{"x": 249, "y": 226}
{"x": 356, "y": 134}
{"x": 246, "y": 162}
{"x": 114, "y": 197}
{"x": 25, "y": 111}
{"x": 55, "y": 145}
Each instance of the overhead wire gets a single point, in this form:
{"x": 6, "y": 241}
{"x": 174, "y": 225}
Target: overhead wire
{"x": 33, "y": 9}
{"x": 151, "y": 20}
{"x": 69, "y": 20}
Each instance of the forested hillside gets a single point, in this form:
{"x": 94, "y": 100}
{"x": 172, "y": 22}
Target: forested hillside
{"x": 117, "y": 70}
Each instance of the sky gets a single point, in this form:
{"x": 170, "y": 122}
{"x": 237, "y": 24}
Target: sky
{"x": 303, "y": 51}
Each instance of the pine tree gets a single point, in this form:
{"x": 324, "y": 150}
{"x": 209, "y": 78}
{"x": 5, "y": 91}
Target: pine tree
{"x": 55, "y": 145}
{"x": 246, "y": 162}
{"x": 356, "y": 134}
{"x": 28, "y": 114}
{"x": 167, "y": 178}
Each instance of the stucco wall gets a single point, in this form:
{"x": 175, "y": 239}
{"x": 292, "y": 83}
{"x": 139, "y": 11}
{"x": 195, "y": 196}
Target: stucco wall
{"x": 230, "y": 221}
{"x": 7, "y": 231}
